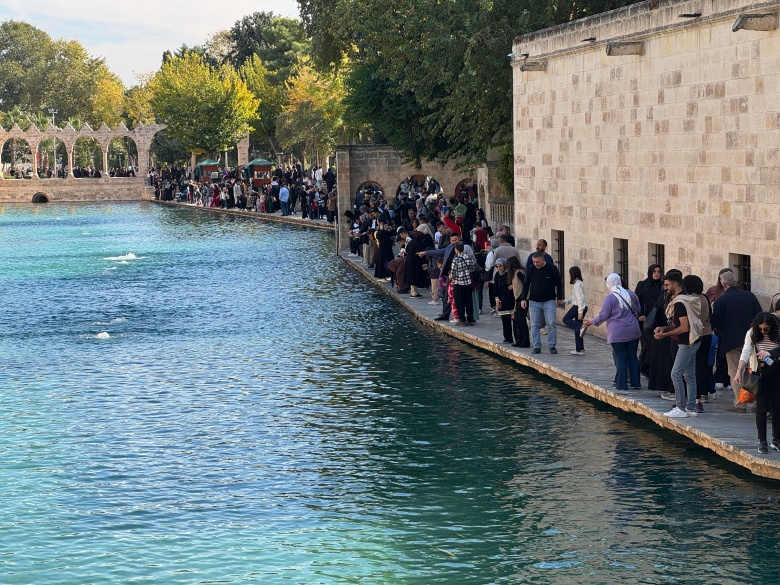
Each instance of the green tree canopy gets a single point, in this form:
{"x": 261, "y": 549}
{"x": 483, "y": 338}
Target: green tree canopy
{"x": 206, "y": 108}
{"x": 37, "y": 73}
{"x": 433, "y": 77}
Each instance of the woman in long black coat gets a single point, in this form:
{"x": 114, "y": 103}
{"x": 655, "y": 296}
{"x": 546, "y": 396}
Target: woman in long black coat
{"x": 655, "y": 358}
{"x": 415, "y": 274}
{"x": 385, "y": 237}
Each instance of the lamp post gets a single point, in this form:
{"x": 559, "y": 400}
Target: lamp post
{"x": 54, "y": 112}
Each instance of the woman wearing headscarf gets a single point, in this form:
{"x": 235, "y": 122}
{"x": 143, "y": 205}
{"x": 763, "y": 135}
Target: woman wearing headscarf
{"x": 620, "y": 312}
{"x": 520, "y": 318}
{"x": 649, "y": 292}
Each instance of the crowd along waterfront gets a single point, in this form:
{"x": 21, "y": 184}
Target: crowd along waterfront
{"x": 189, "y": 397}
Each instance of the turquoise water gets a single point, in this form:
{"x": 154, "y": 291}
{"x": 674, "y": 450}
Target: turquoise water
{"x": 189, "y": 398}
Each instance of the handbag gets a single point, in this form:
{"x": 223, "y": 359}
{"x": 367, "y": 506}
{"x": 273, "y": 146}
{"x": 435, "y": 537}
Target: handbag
{"x": 650, "y": 319}
{"x": 749, "y": 382}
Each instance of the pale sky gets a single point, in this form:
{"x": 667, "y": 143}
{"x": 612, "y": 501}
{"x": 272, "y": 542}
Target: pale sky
{"x": 132, "y": 36}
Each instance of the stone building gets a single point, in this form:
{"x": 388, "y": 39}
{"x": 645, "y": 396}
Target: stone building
{"x": 651, "y": 134}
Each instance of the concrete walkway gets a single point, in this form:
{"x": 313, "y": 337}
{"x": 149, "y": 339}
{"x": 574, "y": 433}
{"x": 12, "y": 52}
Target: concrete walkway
{"x": 728, "y": 434}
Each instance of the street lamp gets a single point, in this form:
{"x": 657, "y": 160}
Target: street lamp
{"x": 54, "y": 112}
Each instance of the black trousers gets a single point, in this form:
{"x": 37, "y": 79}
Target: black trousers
{"x": 464, "y": 303}
{"x": 768, "y": 399}
{"x": 520, "y": 326}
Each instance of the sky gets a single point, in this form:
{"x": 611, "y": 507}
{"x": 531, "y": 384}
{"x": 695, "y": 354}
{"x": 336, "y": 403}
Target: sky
{"x": 132, "y": 36}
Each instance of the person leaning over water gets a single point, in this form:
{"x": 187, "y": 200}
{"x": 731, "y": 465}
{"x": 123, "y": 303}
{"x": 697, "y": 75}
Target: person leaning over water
{"x": 763, "y": 341}
{"x": 619, "y": 311}
{"x": 579, "y": 298}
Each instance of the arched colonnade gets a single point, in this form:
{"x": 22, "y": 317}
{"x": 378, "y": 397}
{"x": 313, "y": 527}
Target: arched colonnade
{"x": 141, "y": 135}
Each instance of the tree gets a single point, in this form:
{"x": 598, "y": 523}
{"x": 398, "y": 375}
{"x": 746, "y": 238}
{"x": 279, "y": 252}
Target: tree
{"x": 206, "y": 108}
{"x": 272, "y": 96}
{"x": 37, "y": 73}
{"x": 311, "y": 121}
{"x": 279, "y": 42}
{"x": 138, "y": 106}
{"x": 442, "y": 67}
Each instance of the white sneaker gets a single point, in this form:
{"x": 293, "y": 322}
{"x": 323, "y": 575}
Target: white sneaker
{"x": 718, "y": 386}
{"x": 676, "y": 413}
{"x": 690, "y": 412}
{"x": 575, "y": 352}
{"x": 433, "y": 302}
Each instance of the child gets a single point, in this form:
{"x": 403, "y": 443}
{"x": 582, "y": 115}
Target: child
{"x": 435, "y": 273}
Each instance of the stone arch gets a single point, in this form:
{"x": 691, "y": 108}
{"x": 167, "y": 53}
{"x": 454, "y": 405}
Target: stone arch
{"x": 467, "y": 185}
{"x": 121, "y": 153}
{"x": 418, "y": 180}
{"x": 16, "y": 157}
{"x": 40, "y": 197}
{"x": 49, "y": 163}
{"x": 87, "y": 155}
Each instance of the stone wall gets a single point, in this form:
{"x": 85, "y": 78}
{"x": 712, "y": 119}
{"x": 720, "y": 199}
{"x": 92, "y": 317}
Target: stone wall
{"x": 61, "y": 190}
{"x": 645, "y": 125}
{"x": 382, "y": 165}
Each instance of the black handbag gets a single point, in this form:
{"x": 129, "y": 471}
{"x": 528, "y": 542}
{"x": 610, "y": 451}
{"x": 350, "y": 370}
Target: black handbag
{"x": 750, "y": 381}
{"x": 650, "y": 319}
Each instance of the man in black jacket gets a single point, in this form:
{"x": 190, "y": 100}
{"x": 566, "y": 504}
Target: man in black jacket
{"x": 542, "y": 290}
{"x": 732, "y": 315}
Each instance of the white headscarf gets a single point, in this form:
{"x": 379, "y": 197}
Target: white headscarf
{"x": 614, "y": 286}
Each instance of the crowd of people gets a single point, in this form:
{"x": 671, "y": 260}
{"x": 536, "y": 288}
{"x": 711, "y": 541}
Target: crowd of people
{"x": 691, "y": 345}
{"x": 311, "y": 192}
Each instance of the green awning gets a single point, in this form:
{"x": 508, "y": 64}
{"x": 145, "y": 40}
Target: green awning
{"x": 261, "y": 162}
{"x": 208, "y": 163}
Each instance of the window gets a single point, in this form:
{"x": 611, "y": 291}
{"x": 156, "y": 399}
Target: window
{"x": 741, "y": 265}
{"x": 620, "y": 254}
{"x": 557, "y": 250}
{"x": 656, "y": 255}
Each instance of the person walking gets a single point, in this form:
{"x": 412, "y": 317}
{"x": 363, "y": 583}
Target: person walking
{"x": 541, "y": 288}
{"x": 574, "y": 317}
{"x": 620, "y": 312}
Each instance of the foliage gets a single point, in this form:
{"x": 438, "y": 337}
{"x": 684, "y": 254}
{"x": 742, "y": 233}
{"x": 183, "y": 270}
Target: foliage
{"x": 138, "y": 106}
{"x": 206, "y": 108}
{"x": 505, "y": 169}
{"x": 311, "y": 121}
{"x": 37, "y": 73}
{"x": 168, "y": 150}
{"x": 272, "y": 98}
{"x": 432, "y": 77}
{"x": 279, "y": 43}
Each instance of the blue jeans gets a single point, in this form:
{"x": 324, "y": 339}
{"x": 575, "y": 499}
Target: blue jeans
{"x": 626, "y": 364}
{"x": 684, "y": 373}
{"x": 285, "y": 208}
{"x": 570, "y": 320}
{"x": 536, "y": 310}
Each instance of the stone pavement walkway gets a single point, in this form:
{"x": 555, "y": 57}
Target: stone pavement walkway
{"x": 728, "y": 434}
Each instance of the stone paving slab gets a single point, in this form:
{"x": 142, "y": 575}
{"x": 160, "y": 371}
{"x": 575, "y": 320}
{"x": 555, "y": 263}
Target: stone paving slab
{"x": 728, "y": 434}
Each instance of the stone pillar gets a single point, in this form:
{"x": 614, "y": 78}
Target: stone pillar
{"x": 70, "y": 151}
{"x": 105, "y": 159}
{"x": 34, "y": 151}
{"x": 243, "y": 151}
{"x": 344, "y": 194}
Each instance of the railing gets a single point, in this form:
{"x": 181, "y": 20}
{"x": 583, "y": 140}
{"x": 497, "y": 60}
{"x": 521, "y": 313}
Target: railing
{"x": 501, "y": 213}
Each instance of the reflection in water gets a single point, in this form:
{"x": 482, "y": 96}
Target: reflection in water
{"x": 259, "y": 414}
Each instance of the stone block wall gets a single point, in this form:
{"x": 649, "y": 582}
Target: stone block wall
{"x": 675, "y": 143}
{"x": 75, "y": 190}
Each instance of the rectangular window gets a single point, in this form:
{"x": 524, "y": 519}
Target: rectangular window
{"x": 741, "y": 265}
{"x": 557, "y": 250}
{"x": 656, "y": 255}
{"x": 620, "y": 255}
